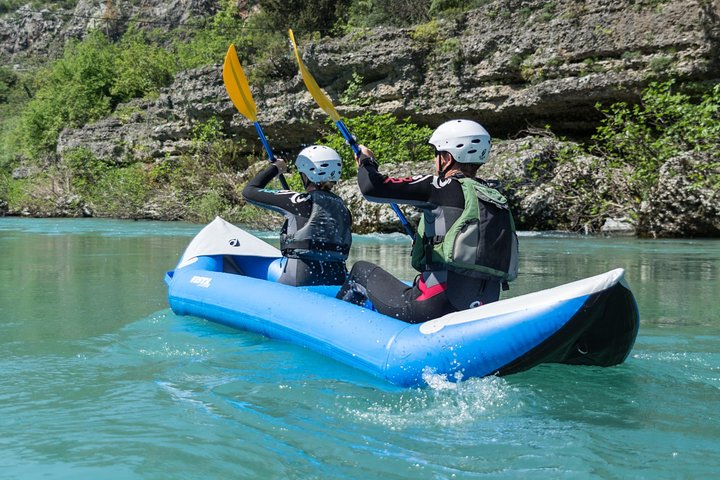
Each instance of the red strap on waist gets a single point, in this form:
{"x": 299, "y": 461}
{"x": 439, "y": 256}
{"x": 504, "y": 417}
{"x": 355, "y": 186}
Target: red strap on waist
{"x": 429, "y": 292}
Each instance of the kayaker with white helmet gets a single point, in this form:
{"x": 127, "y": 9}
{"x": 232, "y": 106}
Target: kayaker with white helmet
{"x": 316, "y": 236}
{"x": 465, "y": 248}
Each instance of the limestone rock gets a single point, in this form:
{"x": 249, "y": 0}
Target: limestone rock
{"x": 686, "y": 199}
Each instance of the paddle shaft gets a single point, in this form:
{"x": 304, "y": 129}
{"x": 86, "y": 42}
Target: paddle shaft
{"x": 239, "y": 92}
{"x": 327, "y": 106}
{"x": 271, "y": 156}
{"x": 353, "y": 144}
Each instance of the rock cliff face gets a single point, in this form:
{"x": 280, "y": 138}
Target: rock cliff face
{"x": 509, "y": 65}
{"x": 29, "y": 31}
{"x": 682, "y": 204}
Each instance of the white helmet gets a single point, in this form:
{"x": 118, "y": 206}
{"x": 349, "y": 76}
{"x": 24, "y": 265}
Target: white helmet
{"x": 319, "y": 164}
{"x": 467, "y": 141}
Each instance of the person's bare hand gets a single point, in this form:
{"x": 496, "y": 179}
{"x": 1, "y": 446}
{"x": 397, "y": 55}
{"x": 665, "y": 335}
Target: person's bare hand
{"x": 281, "y": 165}
{"x": 365, "y": 151}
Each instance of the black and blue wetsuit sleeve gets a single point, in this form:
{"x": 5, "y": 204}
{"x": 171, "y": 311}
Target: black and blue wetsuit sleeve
{"x": 377, "y": 187}
{"x": 285, "y": 202}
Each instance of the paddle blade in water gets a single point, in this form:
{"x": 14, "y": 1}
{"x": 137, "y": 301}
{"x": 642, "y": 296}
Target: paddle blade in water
{"x": 237, "y": 85}
{"x": 320, "y": 98}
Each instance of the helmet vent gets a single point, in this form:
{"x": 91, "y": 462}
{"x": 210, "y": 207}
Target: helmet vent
{"x": 460, "y": 145}
{"x": 324, "y": 165}
{"x": 475, "y": 140}
{"x": 470, "y": 152}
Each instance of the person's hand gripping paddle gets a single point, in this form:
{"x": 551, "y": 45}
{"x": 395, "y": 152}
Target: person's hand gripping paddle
{"x": 239, "y": 91}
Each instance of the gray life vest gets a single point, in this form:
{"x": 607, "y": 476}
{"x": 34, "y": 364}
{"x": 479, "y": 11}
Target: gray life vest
{"x": 478, "y": 240}
{"x": 326, "y": 235}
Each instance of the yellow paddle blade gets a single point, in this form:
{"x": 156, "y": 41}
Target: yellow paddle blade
{"x": 237, "y": 85}
{"x": 320, "y": 98}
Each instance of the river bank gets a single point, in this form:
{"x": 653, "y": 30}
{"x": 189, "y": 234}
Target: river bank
{"x": 633, "y": 85}
{"x": 552, "y": 185}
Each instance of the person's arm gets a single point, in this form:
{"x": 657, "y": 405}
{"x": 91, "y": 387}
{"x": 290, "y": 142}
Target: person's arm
{"x": 281, "y": 201}
{"x": 377, "y": 187}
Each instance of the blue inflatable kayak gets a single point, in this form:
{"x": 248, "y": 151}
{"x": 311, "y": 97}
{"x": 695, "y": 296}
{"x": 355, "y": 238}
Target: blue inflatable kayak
{"x": 226, "y": 276}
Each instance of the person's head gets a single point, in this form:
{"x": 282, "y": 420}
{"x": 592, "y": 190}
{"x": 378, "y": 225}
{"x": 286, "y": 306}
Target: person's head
{"x": 463, "y": 145}
{"x": 319, "y": 166}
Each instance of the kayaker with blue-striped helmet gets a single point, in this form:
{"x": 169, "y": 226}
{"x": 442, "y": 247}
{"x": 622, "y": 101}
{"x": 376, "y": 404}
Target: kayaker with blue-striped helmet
{"x": 465, "y": 248}
{"x": 316, "y": 236}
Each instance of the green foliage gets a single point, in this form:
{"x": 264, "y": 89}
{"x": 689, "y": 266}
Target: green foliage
{"x": 18, "y": 195}
{"x": 207, "y": 132}
{"x": 257, "y": 39}
{"x": 294, "y": 181}
{"x": 86, "y": 170}
{"x": 664, "y": 124}
{"x": 110, "y": 190}
{"x": 141, "y": 68}
{"x": 205, "y": 178}
{"x": 9, "y": 121}
{"x": 206, "y": 46}
{"x": 271, "y": 57}
{"x": 71, "y": 92}
{"x": 306, "y": 15}
{"x": 121, "y": 192}
{"x": 371, "y": 13}
{"x": 547, "y": 12}
{"x": 392, "y": 140}
{"x": 353, "y": 92}
{"x": 203, "y": 182}
{"x": 631, "y": 55}
{"x": 207, "y": 205}
{"x": 5, "y": 186}
{"x": 427, "y": 32}
{"x": 88, "y": 82}
{"x": 442, "y": 8}
{"x": 660, "y": 64}
{"x": 8, "y": 79}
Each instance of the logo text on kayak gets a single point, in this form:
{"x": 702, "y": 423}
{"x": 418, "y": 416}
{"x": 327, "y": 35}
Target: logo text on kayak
{"x": 203, "y": 282}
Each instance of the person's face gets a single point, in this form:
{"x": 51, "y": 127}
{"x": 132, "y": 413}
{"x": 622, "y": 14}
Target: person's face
{"x": 441, "y": 161}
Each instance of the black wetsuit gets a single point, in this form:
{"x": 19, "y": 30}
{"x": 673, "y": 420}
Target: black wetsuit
{"x": 297, "y": 208}
{"x": 434, "y": 293}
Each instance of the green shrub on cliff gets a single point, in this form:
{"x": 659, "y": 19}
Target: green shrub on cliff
{"x": 196, "y": 186}
{"x": 392, "y": 140}
{"x": 196, "y": 47}
{"x": 206, "y": 178}
{"x": 305, "y": 15}
{"x": 91, "y": 78}
{"x": 260, "y": 41}
{"x": 8, "y": 79}
{"x": 71, "y": 92}
{"x": 667, "y": 122}
{"x": 371, "y": 13}
{"x": 109, "y": 190}
{"x": 141, "y": 68}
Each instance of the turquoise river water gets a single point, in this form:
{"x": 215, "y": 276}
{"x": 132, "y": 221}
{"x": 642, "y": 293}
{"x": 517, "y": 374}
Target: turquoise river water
{"x": 100, "y": 380}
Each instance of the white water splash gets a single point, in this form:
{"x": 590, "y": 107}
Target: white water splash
{"x": 444, "y": 403}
